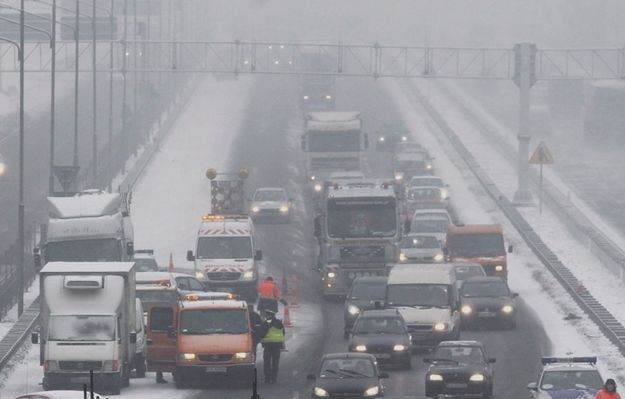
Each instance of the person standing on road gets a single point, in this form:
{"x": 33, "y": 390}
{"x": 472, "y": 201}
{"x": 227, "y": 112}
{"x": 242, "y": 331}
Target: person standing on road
{"x": 269, "y": 294}
{"x": 257, "y": 327}
{"x": 608, "y": 391}
{"x": 273, "y": 343}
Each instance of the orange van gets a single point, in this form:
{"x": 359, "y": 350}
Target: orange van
{"x": 196, "y": 339}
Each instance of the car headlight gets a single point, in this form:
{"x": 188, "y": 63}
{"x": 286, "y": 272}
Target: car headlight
{"x": 372, "y": 391}
{"x": 507, "y": 309}
{"x": 248, "y": 275}
{"x": 318, "y": 187}
{"x": 466, "y": 310}
{"x": 440, "y": 327}
{"x": 439, "y": 257}
{"x": 353, "y": 310}
{"x": 243, "y": 355}
{"x": 360, "y": 348}
{"x": 402, "y": 257}
{"x": 477, "y": 377}
{"x": 328, "y": 97}
{"x": 284, "y": 209}
{"x": 435, "y": 377}
{"x": 399, "y": 348}
{"x": 331, "y": 274}
{"x": 255, "y": 209}
{"x": 428, "y": 166}
{"x": 399, "y": 176}
{"x": 381, "y": 139}
{"x": 186, "y": 357}
{"x": 312, "y": 178}
{"x": 199, "y": 275}
{"x": 321, "y": 392}
{"x": 499, "y": 268}
{"x": 306, "y": 97}
{"x": 404, "y": 138}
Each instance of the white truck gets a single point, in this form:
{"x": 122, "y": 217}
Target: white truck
{"x": 92, "y": 226}
{"x": 225, "y": 257}
{"x": 87, "y": 323}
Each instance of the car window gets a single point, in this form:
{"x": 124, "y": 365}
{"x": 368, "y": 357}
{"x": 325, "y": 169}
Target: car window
{"x": 379, "y": 325}
{"x": 161, "y": 319}
{"x": 347, "y": 368}
{"x": 368, "y": 290}
{"x": 485, "y": 289}
{"x": 464, "y": 272}
{"x": 195, "y": 285}
{"x": 574, "y": 379}
{"x": 420, "y": 242}
{"x": 270, "y": 195}
{"x": 183, "y": 283}
{"x": 460, "y": 354}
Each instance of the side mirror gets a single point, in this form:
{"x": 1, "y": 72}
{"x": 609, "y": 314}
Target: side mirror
{"x": 427, "y": 360}
{"x": 133, "y": 337}
{"x": 311, "y": 377}
{"x": 510, "y": 248}
{"x": 258, "y": 255}
{"x": 383, "y": 375}
{"x": 515, "y": 294}
{"x": 532, "y": 386}
{"x": 34, "y": 338}
{"x": 171, "y": 332}
{"x": 190, "y": 256}
{"x": 130, "y": 248}
{"x": 149, "y": 342}
{"x": 445, "y": 251}
{"x": 492, "y": 360}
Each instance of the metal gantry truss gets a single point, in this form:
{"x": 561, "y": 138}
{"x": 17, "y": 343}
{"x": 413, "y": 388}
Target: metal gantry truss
{"x": 357, "y": 60}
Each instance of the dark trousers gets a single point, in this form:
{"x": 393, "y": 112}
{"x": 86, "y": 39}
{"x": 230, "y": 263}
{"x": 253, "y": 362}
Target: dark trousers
{"x": 267, "y": 304}
{"x": 271, "y": 357}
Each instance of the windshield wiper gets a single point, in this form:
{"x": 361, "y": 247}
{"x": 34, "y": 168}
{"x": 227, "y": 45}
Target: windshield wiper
{"x": 352, "y": 372}
{"x": 445, "y": 361}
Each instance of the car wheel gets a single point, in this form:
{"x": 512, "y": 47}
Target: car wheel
{"x": 140, "y": 368}
{"x": 488, "y": 393}
{"x": 407, "y": 364}
{"x": 511, "y": 325}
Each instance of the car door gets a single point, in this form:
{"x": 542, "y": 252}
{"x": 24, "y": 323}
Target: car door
{"x": 162, "y": 348}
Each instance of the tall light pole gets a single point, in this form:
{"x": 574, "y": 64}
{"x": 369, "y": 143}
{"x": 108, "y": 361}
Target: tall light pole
{"x": 94, "y": 124}
{"x": 20, "y": 211}
{"x": 110, "y": 126}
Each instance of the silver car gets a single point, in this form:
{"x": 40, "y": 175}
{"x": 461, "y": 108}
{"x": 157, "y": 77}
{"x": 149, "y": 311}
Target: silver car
{"x": 271, "y": 204}
{"x": 421, "y": 248}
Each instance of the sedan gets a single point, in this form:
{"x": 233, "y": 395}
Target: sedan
{"x": 365, "y": 293}
{"x": 421, "y": 248}
{"x": 271, "y": 204}
{"x": 383, "y": 334}
{"x": 459, "y": 368}
{"x": 348, "y": 375}
{"x": 487, "y": 299}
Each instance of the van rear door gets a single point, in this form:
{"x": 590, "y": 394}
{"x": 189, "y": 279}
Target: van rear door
{"x": 162, "y": 348}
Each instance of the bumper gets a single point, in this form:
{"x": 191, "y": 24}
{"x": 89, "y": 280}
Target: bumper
{"x": 266, "y": 216}
{"x": 78, "y": 378}
{"x": 488, "y": 318}
{"x": 236, "y": 371}
{"x": 433, "y": 389}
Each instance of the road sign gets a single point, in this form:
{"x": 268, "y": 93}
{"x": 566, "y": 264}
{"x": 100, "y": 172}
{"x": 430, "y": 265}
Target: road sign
{"x": 66, "y": 175}
{"x": 542, "y": 155}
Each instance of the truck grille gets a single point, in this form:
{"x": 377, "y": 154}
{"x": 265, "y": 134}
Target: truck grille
{"x": 335, "y": 163}
{"x": 214, "y": 358}
{"x": 419, "y": 327}
{"x": 223, "y": 276}
{"x": 76, "y": 365}
{"x": 369, "y": 252}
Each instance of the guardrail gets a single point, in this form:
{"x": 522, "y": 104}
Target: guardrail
{"x": 606, "y": 322}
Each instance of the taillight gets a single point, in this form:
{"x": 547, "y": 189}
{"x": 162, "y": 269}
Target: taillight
{"x": 46, "y": 365}
{"x": 115, "y": 365}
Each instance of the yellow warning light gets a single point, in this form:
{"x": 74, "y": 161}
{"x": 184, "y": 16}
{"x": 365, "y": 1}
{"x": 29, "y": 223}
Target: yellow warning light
{"x": 213, "y": 217}
{"x": 243, "y": 173}
{"x": 192, "y": 298}
{"x": 211, "y": 173}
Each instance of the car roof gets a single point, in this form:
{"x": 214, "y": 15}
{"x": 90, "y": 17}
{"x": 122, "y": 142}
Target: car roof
{"x": 484, "y": 279}
{"x": 380, "y": 313}
{"x": 439, "y": 273}
{"x": 348, "y": 355}
{"x": 370, "y": 279}
{"x": 460, "y": 343}
{"x": 569, "y": 367}
{"x": 270, "y": 189}
{"x": 476, "y": 229}
{"x": 214, "y": 304}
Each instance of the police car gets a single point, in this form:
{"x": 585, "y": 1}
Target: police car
{"x": 567, "y": 378}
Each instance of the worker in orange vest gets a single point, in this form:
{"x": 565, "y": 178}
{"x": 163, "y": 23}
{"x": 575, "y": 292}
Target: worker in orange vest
{"x": 608, "y": 391}
{"x": 269, "y": 295}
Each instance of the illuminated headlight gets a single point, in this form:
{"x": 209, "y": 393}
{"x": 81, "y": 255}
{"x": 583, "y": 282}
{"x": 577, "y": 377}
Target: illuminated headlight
{"x": 243, "y": 356}
{"x": 373, "y": 391}
{"x": 276, "y": 62}
{"x": 399, "y": 176}
{"x": 507, "y": 309}
{"x": 322, "y": 393}
{"x": 318, "y": 188}
{"x": 436, "y": 377}
{"x": 331, "y": 274}
{"x": 428, "y": 166}
{"x": 466, "y": 310}
{"x": 404, "y": 138}
{"x": 248, "y": 275}
{"x": 360, "y": 348}
{"x": 499, "y": 268}
{"x": 399, "y": 348}
{"x": 246, "y": 62}
{"x": 477, "y": 378}
{"x": 199, "y": 275}
{"x": 313, "y": 177}
{"x": 439, "y": 257}
{"x": 328, "y": 97}
{"x": 306, "y": 98}
{"x": 284, "y": 209}
{"x": 255, "y": 209}
{"x": 402, "y": 257}
{"x": 186, "y": 357}
{"x": 353, "y": 310}
{"x": 440, "y": 327}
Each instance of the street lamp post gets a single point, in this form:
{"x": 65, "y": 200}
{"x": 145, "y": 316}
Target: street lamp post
{"x": 20, "y": 211}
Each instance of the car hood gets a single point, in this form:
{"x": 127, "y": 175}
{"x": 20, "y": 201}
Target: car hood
{"x": 457, "y": 368}
{"x": 346, "y": 385}
{"x": 225, "y": 265}
{"x": 482, "y": 260}
{"x": 570, "y": 394}
{"x": 424, "y": 316}
{"x": 494, "y": 302}
{"x": 416, "y": 252}
{"x": 379, "y": 340}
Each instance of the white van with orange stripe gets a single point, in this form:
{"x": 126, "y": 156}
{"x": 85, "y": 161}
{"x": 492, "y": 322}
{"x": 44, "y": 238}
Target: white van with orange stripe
{"x": 226, "y": 258}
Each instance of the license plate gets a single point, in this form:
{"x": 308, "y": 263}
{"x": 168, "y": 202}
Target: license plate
{"x": 79, "y": 380}
{"x": 456, "y": 385}
{"x": 216, "y": 369}
{"x": 486, "y": 314}
{"x": 223, "y": 289}
{"x": 382, "y": 355}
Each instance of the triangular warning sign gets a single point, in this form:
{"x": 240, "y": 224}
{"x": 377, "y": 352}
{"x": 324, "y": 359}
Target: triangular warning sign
{"x": 541, "y": 155}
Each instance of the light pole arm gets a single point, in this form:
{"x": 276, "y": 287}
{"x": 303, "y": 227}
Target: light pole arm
{"x": 64, "y": 8}
{"x": 10, "y": 7}
{"x": 45, "y": 32}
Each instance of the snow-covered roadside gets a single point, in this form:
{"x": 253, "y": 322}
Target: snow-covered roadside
{"x": 534, "y": 283}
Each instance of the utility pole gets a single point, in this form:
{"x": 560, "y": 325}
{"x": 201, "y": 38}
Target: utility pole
{"x": 52, "y": 100}
{"x": 94, "y": 124}
{"x": 77, "y": 62}
{"x": 21, "y": 239}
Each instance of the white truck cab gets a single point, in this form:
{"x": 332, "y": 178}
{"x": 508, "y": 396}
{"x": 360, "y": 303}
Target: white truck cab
{"x": 226, "y": 258}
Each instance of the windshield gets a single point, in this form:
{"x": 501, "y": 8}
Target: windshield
{"x": 270, "y": 195}
{"x": 425, "y": 194}
{"x": 369, "y": 290}
{"x": 213, "y": 321}
{"x": 476, "y": 245}
{"x": 100, "y": 250}
{"x": 374, "y": 325}
{"x": 460, "y": 354}
{"x": 421, "y": 242}
{"x": 464, "y": 272}
{"x": 145, "y": 265}
{"x": 429, "y": 226}
{"x": 485, "y": 289}
{"x": 347, "y": 368}
{"x": 224, "y": 248}
{"x": 408, "y": 165}
{"x": 578, "y": 379}
{"x": 81, "y": 328}
{"x": 156, "y": 297}
{"x": 333, "y": 141}
{"x": 351, "y": 219}
{"x": 427, "y": 295}
{"x": 426, "y": 181}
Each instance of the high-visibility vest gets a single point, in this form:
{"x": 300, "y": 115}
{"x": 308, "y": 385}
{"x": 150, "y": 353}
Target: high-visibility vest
{"x": 608, "y": 395}
{"x": 274, "y": 336}
{"x": 268, "y": 289}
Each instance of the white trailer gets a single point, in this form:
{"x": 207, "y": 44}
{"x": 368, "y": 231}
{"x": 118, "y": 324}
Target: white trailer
{"x": 87, "y": 323}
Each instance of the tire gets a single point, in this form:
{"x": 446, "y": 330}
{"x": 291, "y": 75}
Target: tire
{"x": 488, "y": 394}
{"x": 49, "y": 384}
{"x": 116, "y": 384}
{"x": 180, "y": 380}
{"x": 125, "y": 377}
{"x": 407, "y": 365}
{"x": 140, "y": 366}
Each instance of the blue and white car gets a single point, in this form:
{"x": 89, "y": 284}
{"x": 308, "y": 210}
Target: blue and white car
{"x": 567, "y": 378}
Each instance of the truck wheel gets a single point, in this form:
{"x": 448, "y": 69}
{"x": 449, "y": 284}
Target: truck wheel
{"x": 125, "y": 376}
{"x": 48, "y": 384}
{"x": 179, "y": 379}
{"x": 116, "y": 384}
{"x": 140, "y": 366}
